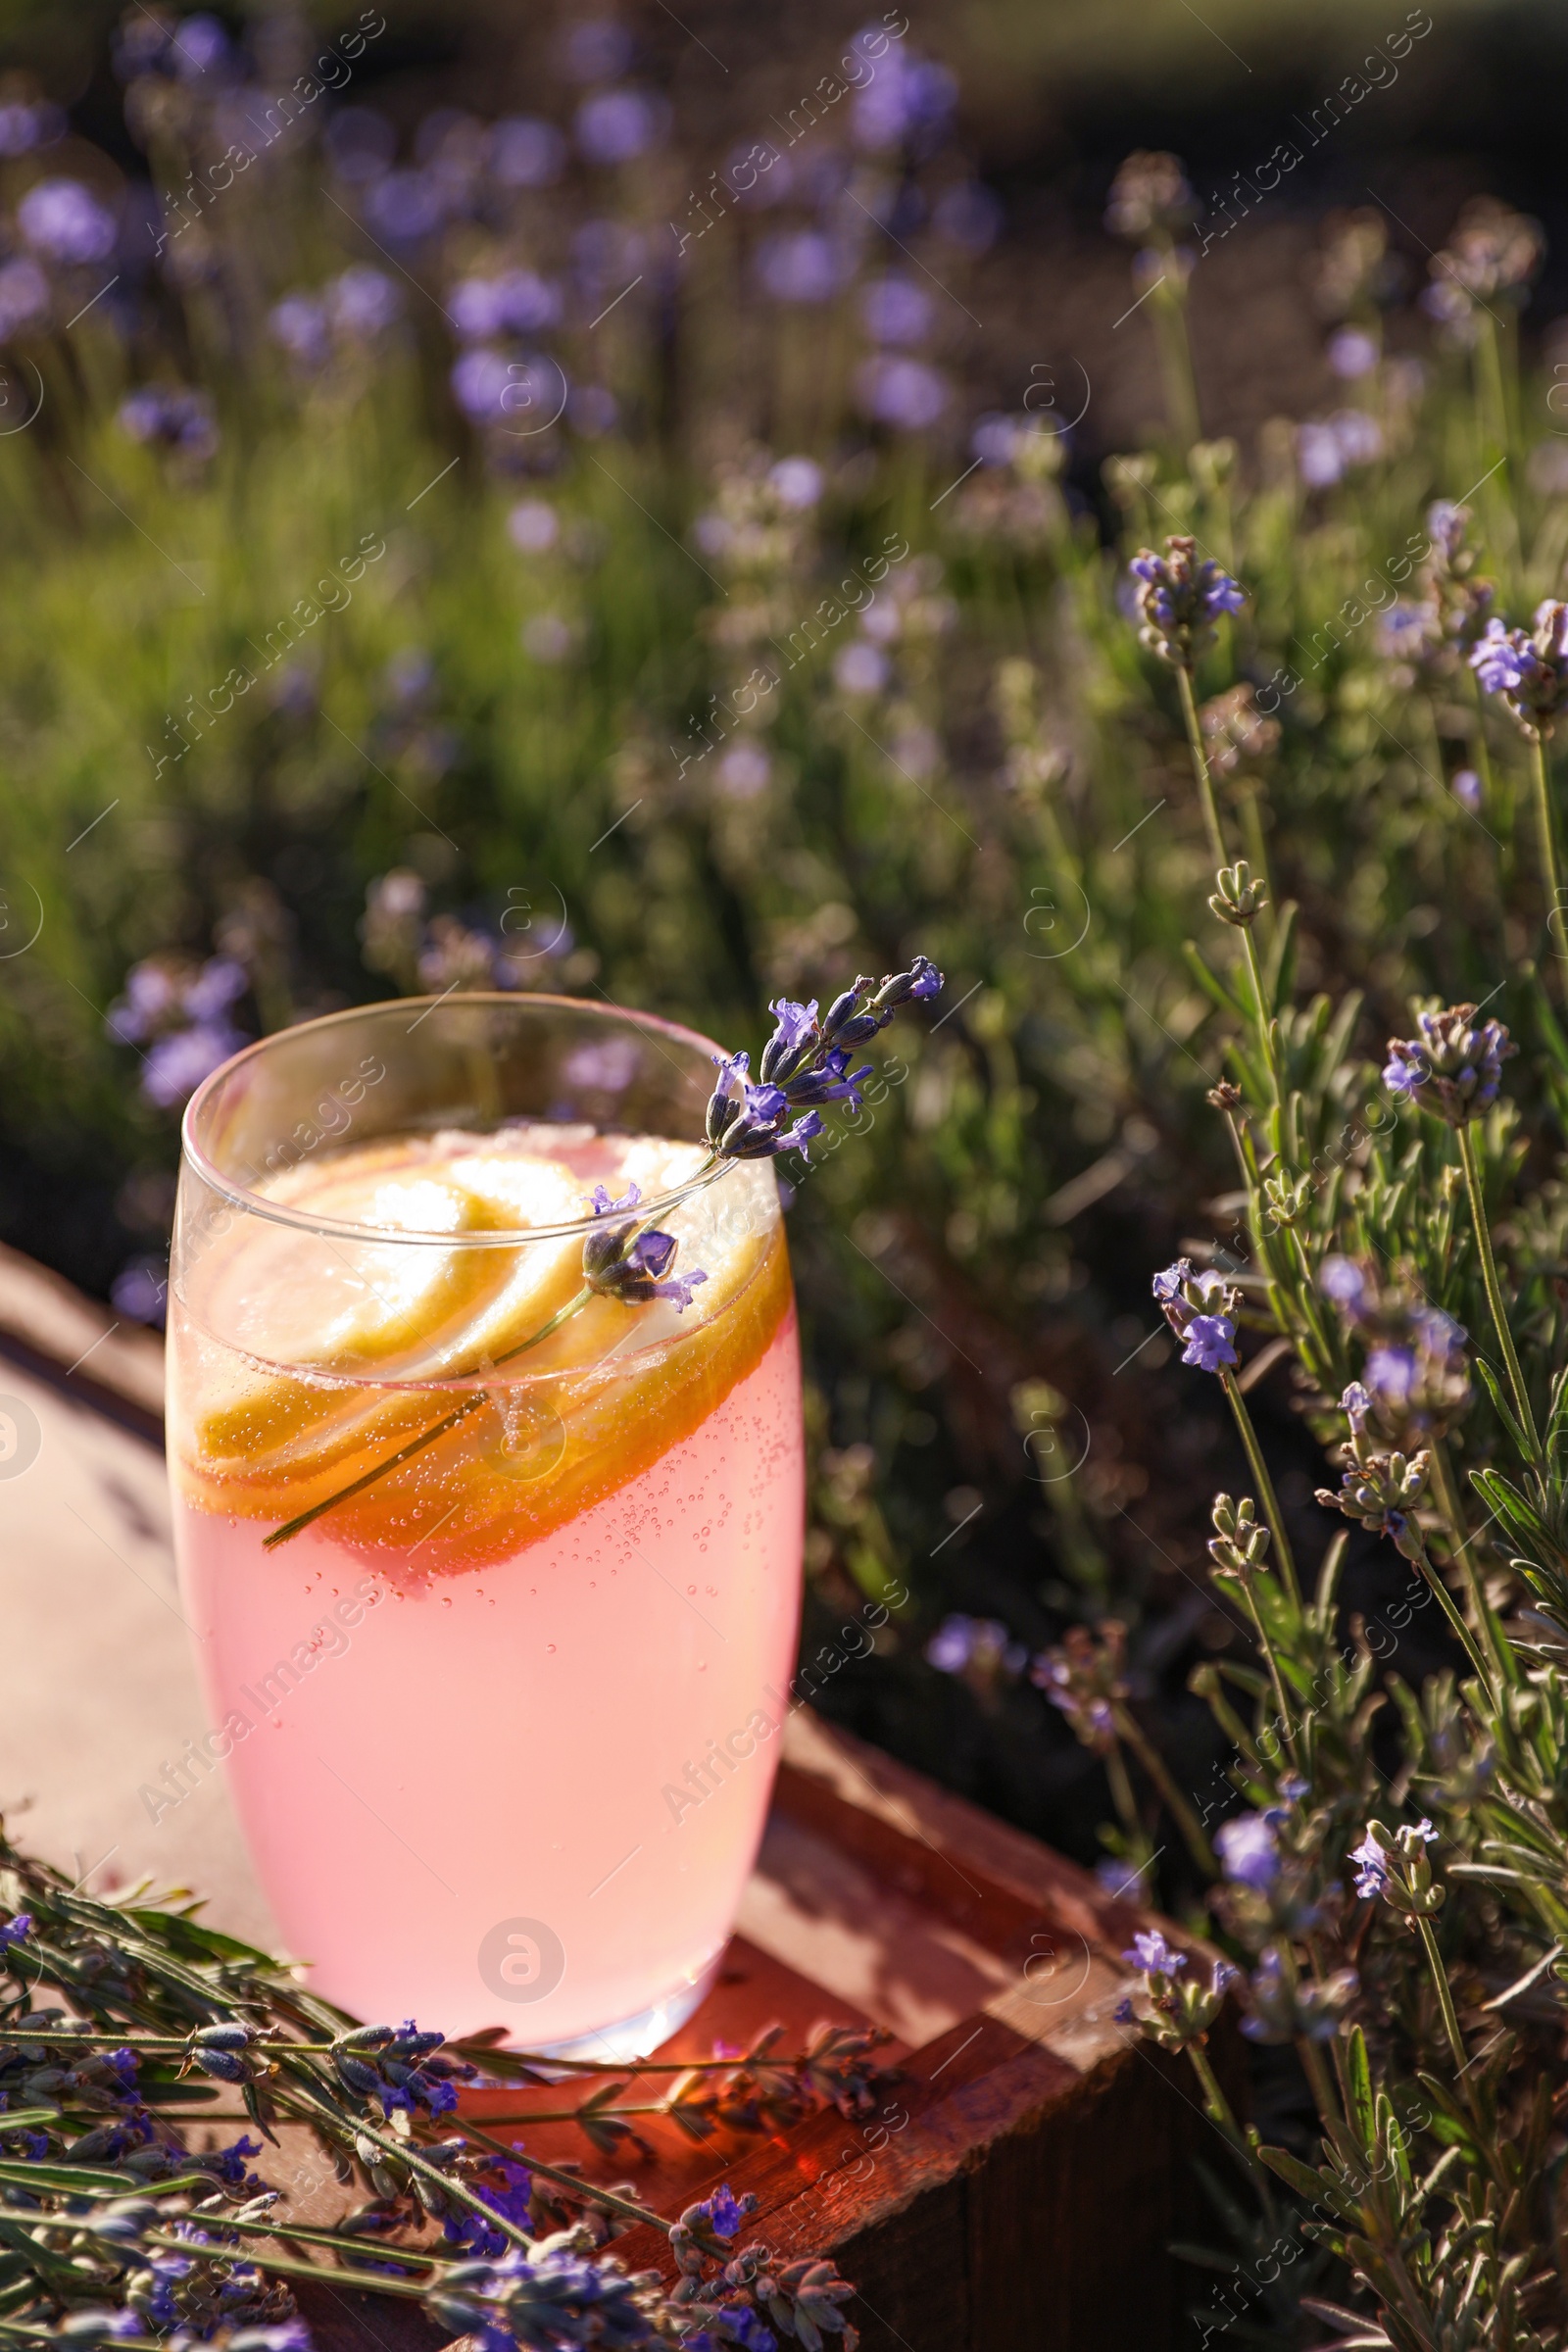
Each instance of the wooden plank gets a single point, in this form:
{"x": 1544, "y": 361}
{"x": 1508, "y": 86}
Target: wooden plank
{"x": 54, "y": 1331}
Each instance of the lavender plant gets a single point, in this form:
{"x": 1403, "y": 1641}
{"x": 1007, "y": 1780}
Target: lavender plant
{"x": 117, "y": 2229}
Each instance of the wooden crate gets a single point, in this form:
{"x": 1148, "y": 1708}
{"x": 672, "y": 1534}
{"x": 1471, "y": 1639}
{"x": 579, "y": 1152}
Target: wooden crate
{"x": 1025, "y": 2167}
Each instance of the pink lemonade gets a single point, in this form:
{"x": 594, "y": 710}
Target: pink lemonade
{"x": 502, "y": 1727}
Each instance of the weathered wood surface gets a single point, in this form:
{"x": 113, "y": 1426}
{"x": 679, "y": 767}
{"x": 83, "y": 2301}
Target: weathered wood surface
{"x": 1023, "y": 2173}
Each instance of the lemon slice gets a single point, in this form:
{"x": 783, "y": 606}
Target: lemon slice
{"x": 365, "y": 1324}
{"x": 400, "y": 1310}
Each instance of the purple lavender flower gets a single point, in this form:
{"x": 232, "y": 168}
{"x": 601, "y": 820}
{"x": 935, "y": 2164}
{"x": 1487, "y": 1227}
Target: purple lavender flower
{"x": 526, "y": 152}
{"x": 1181, "y": 597}
{"x": 472, "y": 2235}
{"x": 200, "y": 46}
{"x": 1283, "y": 2009}
{"x": 902, "y": 393}
{"x": 1318, "y": 459}
{"x": 1390, "y": 1374}
{"x": 1446, "y": 527}
{"x": 299, "y": 325}
{"x": 171, "y": 415}
{"x": 950, "y": 1646}
{"x": 1154, "y": 1956}
{"x": 363, "y": 303}
{"x": 175, "y": 1065}
{"x": 1503, "y": 658}
{"x": 404, "y": 207}
{"x": 1342, "y": 1280}
{"x": 230, "y": 2163}
{"x": 796, "y": 483}
{"x": 805, "y": 1061}
{"x": 1211, "y": 1342}
{"x": 1379, "y": 1490}
{"x": 745, "y": 772}
{"x": 65, "y": 222}
{"x": 221, "y": 983}
{"x": 1528, "y": 670}
{"x": 1409, "y": 632}
{"x": 1454, "y": 1067}
{"x": 1352, "y": 352}
{"x": 744, "y": 2324}
{"x": 725, "y": 2212}
{"x": 895, "y": 309}
{"x": 909, "y": 104}
{"x": 860, "y": 669}
{"x": 23, "y": 127}
{"x": 617, "y": 126}
{"x": 24, "y": 297}
{"x": 1467, "y": 789}
{"x": 746, "y": 1121}
{"x": 399, "y": 2067}
{"x": 517, "y": 302}
{"x": 480, "y": 380}
{"x": 1248, "y": 1849}
{"x": 1371, "y": 1868}
{"x": 14, "y": 1930}
{"x": 1201, "y": 1310}
{"x": 802, "y": 265}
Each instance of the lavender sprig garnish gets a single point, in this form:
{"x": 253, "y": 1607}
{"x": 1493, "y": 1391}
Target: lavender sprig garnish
{"x": 804, "y": 1063}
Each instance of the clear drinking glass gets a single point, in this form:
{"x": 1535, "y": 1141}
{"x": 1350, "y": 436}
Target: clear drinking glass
{"x": 500, "y": 1723}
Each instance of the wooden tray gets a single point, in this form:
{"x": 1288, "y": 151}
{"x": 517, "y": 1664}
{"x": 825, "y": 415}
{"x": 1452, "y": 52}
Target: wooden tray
{"x": 1025, "y": 2169}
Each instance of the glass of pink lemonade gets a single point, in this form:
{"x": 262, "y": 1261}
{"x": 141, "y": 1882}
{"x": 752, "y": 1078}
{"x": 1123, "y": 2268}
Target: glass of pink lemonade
{"x": 495, "y": 1584}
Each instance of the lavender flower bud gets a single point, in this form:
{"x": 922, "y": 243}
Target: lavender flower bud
{"x": 1379, "y": 1490}
{"x": 1241, "y": 1541}
{"x": 1236, "y": 897}
{"x": 217, "y": 2050}
{"x": 920, "y": 981}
